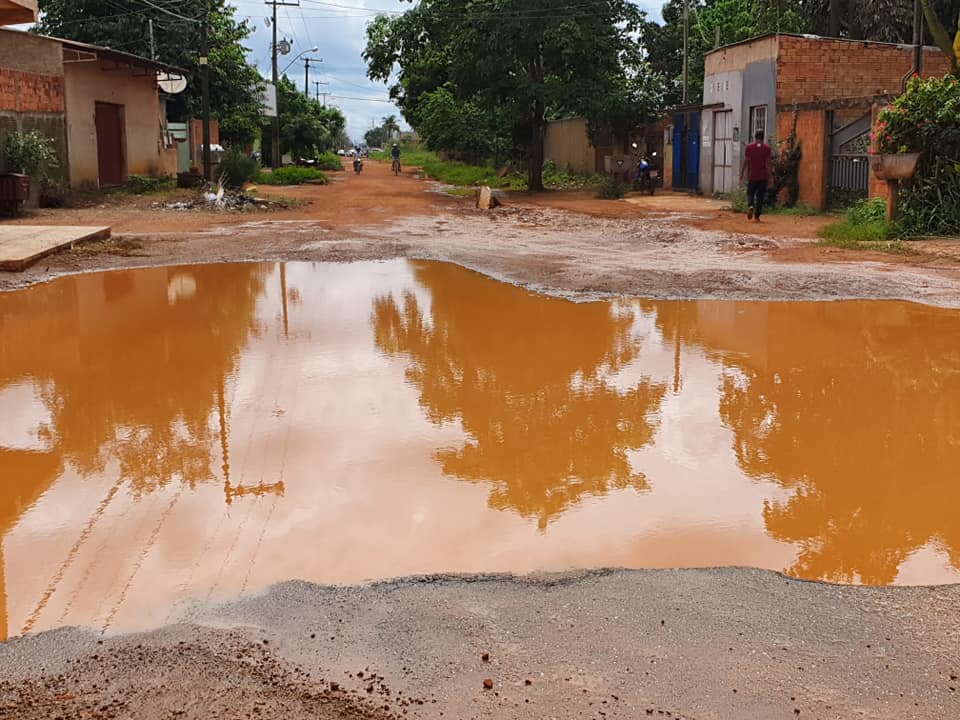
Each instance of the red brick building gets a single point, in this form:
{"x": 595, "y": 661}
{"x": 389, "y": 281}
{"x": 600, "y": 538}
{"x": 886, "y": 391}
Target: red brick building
{"x": 831, "y": 85}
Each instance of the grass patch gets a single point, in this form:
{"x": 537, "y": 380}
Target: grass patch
{"x": 738, "y": 203}
{"x": 291, "y": 176}
{"x": 461, "y": 174}
{"x": 865, "y": 227}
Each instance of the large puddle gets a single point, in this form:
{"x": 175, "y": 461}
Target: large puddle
{"x": 170, "y": 435}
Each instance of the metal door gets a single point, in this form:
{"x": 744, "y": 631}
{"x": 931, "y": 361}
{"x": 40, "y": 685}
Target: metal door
{"x": 693, "y": 152}
{"x": 723, "y": 152}
{"x": 111, "y": 158}
{"x": 678, "y": 134}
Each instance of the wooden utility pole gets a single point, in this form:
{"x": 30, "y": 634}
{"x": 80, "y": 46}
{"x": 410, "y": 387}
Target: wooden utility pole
{"x": 686, "y": 47}
{"x": 205, "y": 87}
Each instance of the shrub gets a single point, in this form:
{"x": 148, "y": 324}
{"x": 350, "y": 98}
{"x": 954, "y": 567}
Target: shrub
{"x": 867, "y": 211}
{"x": 30, "y": 153}
{"x": 291, "y": 176}
{"x": 611, "y": 189}
{"x": 329, "y": 161}
{"x": 237, "y": 167}
{"x": 142, "y": 184}
{"x": 926, "y": 119}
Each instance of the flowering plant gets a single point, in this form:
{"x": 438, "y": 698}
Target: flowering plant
{"x": 925, "y": 117}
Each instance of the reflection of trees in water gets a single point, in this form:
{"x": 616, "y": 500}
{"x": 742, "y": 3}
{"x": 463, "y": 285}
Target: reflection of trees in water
{"x": 128, "y": 373}
{"x": 856, "y": 409}
{"x": 524, "y": 375}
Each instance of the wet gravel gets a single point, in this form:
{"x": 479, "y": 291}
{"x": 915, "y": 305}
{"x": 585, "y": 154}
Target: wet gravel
{"x": 727, "y": 643}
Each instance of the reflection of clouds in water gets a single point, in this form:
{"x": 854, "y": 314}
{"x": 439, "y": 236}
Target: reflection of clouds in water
{"x": 25, "y": 419}
{"x": 181, "y": 286}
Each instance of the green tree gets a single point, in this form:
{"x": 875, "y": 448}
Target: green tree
{"x": 375, "y": 137}
{"x": 123, "y": 25}
{"x": 306, "y": 126}
{"x": 516, "y": 62}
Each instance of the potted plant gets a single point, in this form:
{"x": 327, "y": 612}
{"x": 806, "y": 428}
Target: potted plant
{"x": 888, "y": 160}
{"x": 27, "y": 157}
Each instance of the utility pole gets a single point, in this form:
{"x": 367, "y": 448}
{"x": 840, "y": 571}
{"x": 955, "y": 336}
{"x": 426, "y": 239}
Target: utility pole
{"x": 275, "y": 51}
{"x": 317, "y": 84}
{"x": 306, "y": 77}
{"x": 917, "y": 37}
{"x": 686, "y": 47}
{"x": 153, "y": 45}
{"x": 205, "y": 86}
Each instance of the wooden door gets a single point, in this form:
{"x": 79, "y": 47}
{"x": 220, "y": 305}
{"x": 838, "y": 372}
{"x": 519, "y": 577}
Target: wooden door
{"x": 111, "y": 158}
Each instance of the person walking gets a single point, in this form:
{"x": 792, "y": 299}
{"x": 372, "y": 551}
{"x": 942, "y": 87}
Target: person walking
{"x": 758, "y": 166}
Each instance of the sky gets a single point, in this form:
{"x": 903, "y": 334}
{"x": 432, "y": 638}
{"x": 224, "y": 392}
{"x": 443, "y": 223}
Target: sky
{"x": 338, "y": 29}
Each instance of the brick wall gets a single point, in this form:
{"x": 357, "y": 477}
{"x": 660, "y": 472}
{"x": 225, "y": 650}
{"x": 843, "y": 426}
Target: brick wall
{"x": 812, "y": 132}
{"x": 30, "y": 92}
{"x": 816, "y": 69}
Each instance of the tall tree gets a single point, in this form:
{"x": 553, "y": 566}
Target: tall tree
{"x": 306, "y": 126}
{"x": 515, "y": 61}
{"x": 124, "y": 25}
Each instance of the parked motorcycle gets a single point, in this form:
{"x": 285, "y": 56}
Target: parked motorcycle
{"x": 647, "y": 175}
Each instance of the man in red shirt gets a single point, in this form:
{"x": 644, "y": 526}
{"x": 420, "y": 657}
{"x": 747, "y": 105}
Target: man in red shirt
{"x": 758, "y": 162}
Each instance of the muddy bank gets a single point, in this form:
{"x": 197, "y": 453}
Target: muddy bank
{"x": 686, "y": 643}
{"x": 548, "y": 250}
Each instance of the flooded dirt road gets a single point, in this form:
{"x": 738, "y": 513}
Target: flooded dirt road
{"x": 174, "y": 437}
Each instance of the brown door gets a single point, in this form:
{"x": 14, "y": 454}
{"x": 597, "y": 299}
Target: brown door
{"x": 110, "y": 144}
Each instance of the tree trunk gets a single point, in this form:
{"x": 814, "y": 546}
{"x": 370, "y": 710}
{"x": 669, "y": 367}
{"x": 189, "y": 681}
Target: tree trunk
{"x": 834, "y": 28}
{"x": 941, "y": 37}
{"x": 538, "y": 129}
{"x": 536, "y": 155}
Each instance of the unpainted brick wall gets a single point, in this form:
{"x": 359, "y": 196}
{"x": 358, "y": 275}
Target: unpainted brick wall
{"x": 813, "y": 136}
{"x": 30, "y": 92}
{"x": 816, "y": 69}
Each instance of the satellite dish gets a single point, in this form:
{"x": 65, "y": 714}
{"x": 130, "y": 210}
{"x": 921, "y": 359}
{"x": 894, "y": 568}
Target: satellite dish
{"x": 171, "y": 84}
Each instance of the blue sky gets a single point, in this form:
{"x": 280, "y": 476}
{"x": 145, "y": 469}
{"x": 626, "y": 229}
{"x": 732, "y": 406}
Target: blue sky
{"x": 337, "y": 28}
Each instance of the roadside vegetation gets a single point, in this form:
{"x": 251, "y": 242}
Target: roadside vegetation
{"x": 461, "y": 174}
{"x": 864, "y": 227}
{"x": 291, "y": 176}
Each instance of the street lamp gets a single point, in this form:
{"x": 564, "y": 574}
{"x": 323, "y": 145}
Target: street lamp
{"x": 305, "y": 52}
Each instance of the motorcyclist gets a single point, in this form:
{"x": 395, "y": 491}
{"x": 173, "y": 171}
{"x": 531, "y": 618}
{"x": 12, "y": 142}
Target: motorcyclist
{"x": 395, "y": 154}
{"x": 357, "y": 159}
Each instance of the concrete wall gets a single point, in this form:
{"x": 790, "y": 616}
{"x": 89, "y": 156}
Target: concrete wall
{"x": 32, "y": 89}
{"x": 87, "y": 83}
{"x": 738, "y": 85}
{"x": 568, "y": 145}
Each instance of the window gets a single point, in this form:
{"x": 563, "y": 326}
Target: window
{"x": 758, "y": 120}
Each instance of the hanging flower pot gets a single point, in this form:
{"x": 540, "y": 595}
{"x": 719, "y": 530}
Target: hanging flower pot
{"x": 894, "y": 166}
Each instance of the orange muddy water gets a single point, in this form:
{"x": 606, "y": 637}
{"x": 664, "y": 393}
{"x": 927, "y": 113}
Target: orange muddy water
{"x": 175, "y": 435}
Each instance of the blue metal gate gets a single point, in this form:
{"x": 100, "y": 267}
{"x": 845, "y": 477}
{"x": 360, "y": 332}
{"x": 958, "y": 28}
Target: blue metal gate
{"x": 686, "y": 151}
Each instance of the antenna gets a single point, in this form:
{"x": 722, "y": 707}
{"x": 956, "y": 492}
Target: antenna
{"x": 171, "y": 84}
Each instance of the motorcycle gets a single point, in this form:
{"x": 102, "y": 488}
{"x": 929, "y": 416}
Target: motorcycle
{"x": 357, "y": 165}
{"x": 647, "y": 176}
